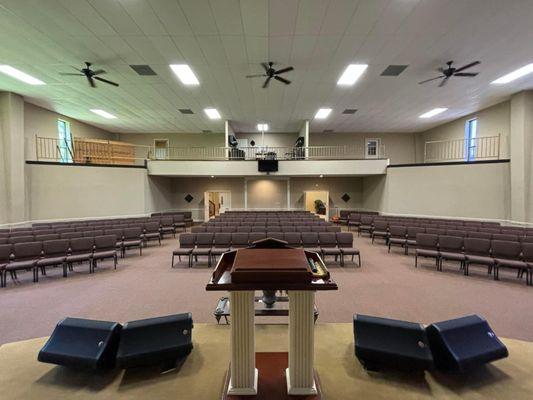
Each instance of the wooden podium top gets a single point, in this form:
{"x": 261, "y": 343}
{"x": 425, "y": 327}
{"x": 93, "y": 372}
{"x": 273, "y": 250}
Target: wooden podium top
{"x": 270, "y": 266}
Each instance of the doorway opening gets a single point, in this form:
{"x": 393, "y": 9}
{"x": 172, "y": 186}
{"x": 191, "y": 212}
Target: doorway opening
{"x": 216, "y": 202}
{"x": 317, "y": 202}
{"x": 161, "y": 149}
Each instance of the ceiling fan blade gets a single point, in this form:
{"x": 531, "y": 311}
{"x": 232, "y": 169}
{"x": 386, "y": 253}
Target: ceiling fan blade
{"x": 91, "y": 81}
{"x": 285, "y": 81}
{"x": 99, "y": 72}
{"x": 70, "y": 74}
{"x": 267, "y": 81}
{"x": 432, "y": 79}
{"x": 105, "y": 80}
{"x": 444, "y": 81}
{"x": 466, "y": 74}
{"x": 281, "y": 71}
{"x": 467, "y": 66}
{"x": 255, "y": 76}
{"x": 265, "y": 66}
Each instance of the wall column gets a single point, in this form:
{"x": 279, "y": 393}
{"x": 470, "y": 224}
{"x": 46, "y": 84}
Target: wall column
{"x": 304, "y": 131}
{"x": 12, "y": 170}
{"x": 521, "y": 139}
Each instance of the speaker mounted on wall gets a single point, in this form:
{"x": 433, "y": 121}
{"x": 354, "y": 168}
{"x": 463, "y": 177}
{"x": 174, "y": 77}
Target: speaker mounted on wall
{"x": 188, "y": 198}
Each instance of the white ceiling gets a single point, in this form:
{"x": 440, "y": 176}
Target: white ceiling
{"x": 223, "y": 40}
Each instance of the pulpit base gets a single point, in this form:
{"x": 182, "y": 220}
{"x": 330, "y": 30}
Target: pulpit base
{"x": 272, "y": 383}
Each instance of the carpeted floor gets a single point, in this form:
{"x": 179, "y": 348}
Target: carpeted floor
{"x": 387, "y": 285}
{"x": 201, "y": 375}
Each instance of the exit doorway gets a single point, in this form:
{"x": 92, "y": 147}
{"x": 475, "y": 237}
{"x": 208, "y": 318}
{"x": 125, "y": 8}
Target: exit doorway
{"x": 216, "y": 202}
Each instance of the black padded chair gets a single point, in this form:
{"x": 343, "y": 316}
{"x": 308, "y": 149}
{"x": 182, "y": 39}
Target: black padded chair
{"x": 154, "y": 341}
{"x": 82, "y": 343}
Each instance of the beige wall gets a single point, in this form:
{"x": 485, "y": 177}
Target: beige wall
{"x": 399, "y": 147}
{"x": 271, "y": 139}
{"x": 41, "y": 122}
{"x": 492, "y": 121}
{"x": 58, "y": 191}
{"x": 267, "y": 193}
{"x": 175, "y": 139}
{"x": 466, "y": 191}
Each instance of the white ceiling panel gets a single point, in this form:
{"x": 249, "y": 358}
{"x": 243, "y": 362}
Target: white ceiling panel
{"x": 224, "y": 40}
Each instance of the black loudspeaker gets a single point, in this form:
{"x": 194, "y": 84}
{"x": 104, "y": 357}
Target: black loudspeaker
{"x": 82, "y": 343}
{"x": 382, "y": 343}
{"x": 155, "y": 341}
{"x": 464, "y": 343}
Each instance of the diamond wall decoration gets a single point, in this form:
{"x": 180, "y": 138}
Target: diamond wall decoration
{"x": 188, "y": 198}
{"x": 345, "y": 197}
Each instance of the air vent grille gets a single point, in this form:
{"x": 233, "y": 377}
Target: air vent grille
{"x": 143, "y": 70}
{"x": 186, "y": 111}
{"x": 394, "y": 70}
{"x": 350, "y": 111}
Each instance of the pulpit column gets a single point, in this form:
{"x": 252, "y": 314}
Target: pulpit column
{"x": 244, "y": 375}
{"x": 300, "y": 379}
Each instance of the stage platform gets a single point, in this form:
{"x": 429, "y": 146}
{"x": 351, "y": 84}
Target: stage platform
{"x": 202, "y": 374}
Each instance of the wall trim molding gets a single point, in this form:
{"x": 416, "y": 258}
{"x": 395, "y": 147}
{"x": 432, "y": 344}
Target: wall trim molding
{"x": 85, "y": 165}
{"x": 439, "y": 164}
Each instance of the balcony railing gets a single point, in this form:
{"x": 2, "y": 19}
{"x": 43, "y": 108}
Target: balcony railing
{"x": 90, "y": 151}
{"x": 263, "y": 152}
{"x": 481, "y": 148}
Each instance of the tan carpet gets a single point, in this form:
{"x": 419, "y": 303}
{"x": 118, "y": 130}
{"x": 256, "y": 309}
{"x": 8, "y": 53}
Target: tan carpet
{"x": 388, "y": 285}
{"x": 201, "y": 375}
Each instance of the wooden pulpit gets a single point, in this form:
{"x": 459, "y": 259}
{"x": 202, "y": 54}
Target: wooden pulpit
{"x": 271, "y": 265}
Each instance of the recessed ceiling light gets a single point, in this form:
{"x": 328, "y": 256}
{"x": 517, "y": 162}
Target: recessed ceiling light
{"x": 351, "y": 74}
{"x": 432, "y": 113}
{"x": 212, "y": 176}
{"x": 321, "y": 176}
{"x": 322, "y": 113}
{"x": 103, "y": 113}
{"x": 212, "y": 113}
{"x": 21, "y": 76}
{"x": 185, "y": 74}
{"x": 262, "y": 127}
{"x": 520, "y": 72}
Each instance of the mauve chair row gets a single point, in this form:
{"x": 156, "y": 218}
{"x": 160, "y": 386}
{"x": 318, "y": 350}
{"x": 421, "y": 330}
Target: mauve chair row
{"x": 211, "y": 245}
{"x": 354, "y": 219}
{"x": 36, "y": 256}
{"x": 269, "y": 228}
{"x": 164, "y": 226}
{"x": 493, "y": 254}
{"x": 405, "y": 236}
{"x": 148, "y": 232}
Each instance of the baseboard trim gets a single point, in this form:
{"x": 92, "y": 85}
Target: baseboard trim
{"x": 440, "y": 164}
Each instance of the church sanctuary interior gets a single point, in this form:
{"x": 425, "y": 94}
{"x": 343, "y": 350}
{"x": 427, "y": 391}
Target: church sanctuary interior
{"x": 266, "y": 199}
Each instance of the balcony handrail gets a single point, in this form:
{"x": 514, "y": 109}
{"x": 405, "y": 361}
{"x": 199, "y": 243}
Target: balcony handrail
{"x": 262, "y": 152}
{"x": 95, "y": 151}
{"x": 479, "y": 148}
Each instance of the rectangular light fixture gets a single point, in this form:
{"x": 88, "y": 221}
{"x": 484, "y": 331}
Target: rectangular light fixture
{"x": 322, "y": 113}
{"x": 212, "y": 113}
{"x": 21, "y": 76}
{"x": 520, "y": 72}
{"x": 185, "y": 74}
{"x": 262, "y": 127}
{"x": 432, "y": 113}
{"x": 103, "y": 113}
{"x": 351, "y": 74}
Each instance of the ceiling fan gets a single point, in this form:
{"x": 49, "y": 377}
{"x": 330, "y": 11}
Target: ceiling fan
{"x": 450, "y": 71}
{"x": 270, "y": 73}
{"x": 90, "y": 75}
